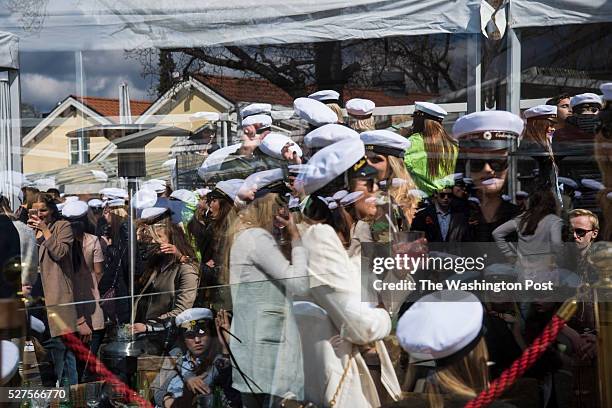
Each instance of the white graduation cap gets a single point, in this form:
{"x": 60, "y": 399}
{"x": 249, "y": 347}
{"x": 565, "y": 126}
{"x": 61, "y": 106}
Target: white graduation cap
{"x": 592, "y": 184}
{"x": 71, "y": 198}
{"x": 188, "y": 319}
{"x": 259, "y": 180}
{"x": 229, "y": 188}
{"x": 113, "y": 192}
{"x": 263, "y": 120}
{"x": 95, "y": 203}
{"x": 256, "y": 109}
{"x": 115, "y": 202}
{"x": 385, "y": 142}
{"x": 157, "y": 185}
{"x": 606, "y": 90}
{"x": 44, "y": 184}
{"x": 144, "y": 198}
{"x": 488, "y": 121}
{"x": 213, "y": 162}
{"x": 325, "y": 96}
{"x": 328, "y": 163}
{"x": 583, "y": 98}
{"x": 360, "y": 107}
{"x": 328, "y": 134}
{"x": 74, "y": 209}
{"x": 540, "y": 110}
{"x": 440, "y": 325}
{"x": 10, "y": 360}
{"x": 506, "y": 197}
{"x": 273, "y": 145}
{"x": 186, "y": 196}
{"x": 314, "y": 112}
{"x": 431, "y": 109}
{"x": 152, "y": 213}
{"x": 37, "y": 325}
{"x": 566, "y": 181}
{"x": 210, "y": 116}
{"x": 202, "y": 192}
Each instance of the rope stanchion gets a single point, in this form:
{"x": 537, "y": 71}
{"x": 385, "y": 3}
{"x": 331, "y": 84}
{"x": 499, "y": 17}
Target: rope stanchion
{"x": 528, "y": 358}
{"x": 96, "y": 366}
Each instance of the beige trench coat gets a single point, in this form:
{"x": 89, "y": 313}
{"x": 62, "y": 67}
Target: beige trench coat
{"x": 55, "y": 260}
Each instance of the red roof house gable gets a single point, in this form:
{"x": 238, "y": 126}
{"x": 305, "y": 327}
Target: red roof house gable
{"x": 108, "y": 107}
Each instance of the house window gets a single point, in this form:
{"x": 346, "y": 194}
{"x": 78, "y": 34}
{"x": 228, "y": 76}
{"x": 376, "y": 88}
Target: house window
{"x": 79, "y": 150}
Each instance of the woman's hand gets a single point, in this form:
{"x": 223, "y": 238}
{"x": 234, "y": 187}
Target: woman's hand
{"x": 26, "y": 290}
{"x": 222, "y": 323}
{"x": 197, "y": 385}
{"x": 289, "y": 223}
{"x": 84, "y": 331}
{"x": 170, "y": 249}
{"x": 139, "y": 328}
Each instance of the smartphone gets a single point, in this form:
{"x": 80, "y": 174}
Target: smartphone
{"x": 32, "y": 212}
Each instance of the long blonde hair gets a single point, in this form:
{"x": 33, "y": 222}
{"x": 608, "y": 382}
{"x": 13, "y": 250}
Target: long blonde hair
{"x": 362, "y": 125}
{"x": 400, "y": 193}
{"x": 464, "y": 379}
{"x": 440, "y": 148}
{"x": 257, "y": 214}
{"x": 337, "y": 110}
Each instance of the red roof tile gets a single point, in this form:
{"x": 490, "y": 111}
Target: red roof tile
{"x": 110, "y": 107}
{"x": 261, "y": 90}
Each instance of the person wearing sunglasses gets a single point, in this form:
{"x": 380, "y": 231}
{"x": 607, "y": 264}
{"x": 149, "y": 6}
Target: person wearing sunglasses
{"x": 535, "y": 160}
{"x": 199, "y": 366}
{"x": 584, "y": 228}
{"x": 484, "y": 140}
{"x": 440, "y": 223}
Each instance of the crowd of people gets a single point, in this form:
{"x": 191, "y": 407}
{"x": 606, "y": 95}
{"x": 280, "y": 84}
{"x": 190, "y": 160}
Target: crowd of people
{"x": 258, "y": 274}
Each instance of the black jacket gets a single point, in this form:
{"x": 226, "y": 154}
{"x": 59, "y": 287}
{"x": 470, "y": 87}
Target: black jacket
{"x": 427, "y": 221}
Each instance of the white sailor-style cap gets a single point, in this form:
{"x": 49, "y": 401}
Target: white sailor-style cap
{"x": 521, "y": 194}
{"x": 329, "y": 163}
{"x": 256, "y": 109}
{"x": 566, "y": 181}
{"x": 188, "y": 319}
{"x": 385, "y": 142}
{"x": 154, "y": 214}
{"x": 488, "y": 129}
{"x": 360, "y": 108}
{"x": 326, "y": 96}
{"x": 539, "y": 111}
{"x": 144, "y": 198}
{"x": 113, "y": 192}
{"x": 95, "y": 203}
{"x": 186, "y": 196}
{"x": 37, "y": 325}
{"x": 263, "y": 182}
{"x": 71, "y": 198}
{"x": 583, "y": 98}
{"x": 592, "y": 184}
{"x": 506, "y": 197}
{"x": 441, "y": 327}
{"x": 314, "y": 112}
{"x": 213, "y": 162}
{"x": 227, "y": 189}
{"x": 202, "y": 192}
{"x": 116, "y": 202}
{"x": 273, "y": 145}
{"x": 606, "y": 90}
{"x": 430, "y": 109}
{"x": 264, "y": 120}
{"x": 10, "y": 360}
{"x": 329, "y": 134}
{"x": 157, "y": 185}
{"x": 74, "y": 209}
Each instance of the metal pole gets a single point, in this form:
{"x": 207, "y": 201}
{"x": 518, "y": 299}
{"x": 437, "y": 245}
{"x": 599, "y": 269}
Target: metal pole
{"x": 80, "y": 85}
{"x": 513, "y": 96}
{"x": 132, "y": 187}
{"x": 474, "y": 73}
{"x": 601, "y": 258}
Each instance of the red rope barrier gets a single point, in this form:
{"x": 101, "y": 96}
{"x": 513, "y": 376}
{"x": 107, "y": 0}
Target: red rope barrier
{"x": 518, "y": 368}
{"x": 96, "y": 366}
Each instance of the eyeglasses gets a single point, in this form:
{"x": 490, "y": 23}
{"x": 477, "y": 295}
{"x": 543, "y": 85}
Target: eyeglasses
{"x": 581, "y": 232}
{"x": 495, "y": 164}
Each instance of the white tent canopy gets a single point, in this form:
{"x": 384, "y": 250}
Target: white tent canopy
{"x": 544, "y": 13}
{"x": 130, "y": 24}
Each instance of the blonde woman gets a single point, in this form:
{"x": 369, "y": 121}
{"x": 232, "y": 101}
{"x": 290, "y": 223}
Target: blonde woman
{"x": 360, "y": 114}
{"x": 331, "y": 99}
{"x": 444, "y": 330}
{"x": 433, "y": 152}
{"x": 384, "y": 152}
{"x": 262, "y": 282}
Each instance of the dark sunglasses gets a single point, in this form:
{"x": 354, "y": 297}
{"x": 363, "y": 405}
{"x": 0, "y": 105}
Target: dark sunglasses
{"x": 581, "y": 232}
{"x": 592, "y": 109}
{"x": 444, "y": 195}
{"x": 495, "y": 164}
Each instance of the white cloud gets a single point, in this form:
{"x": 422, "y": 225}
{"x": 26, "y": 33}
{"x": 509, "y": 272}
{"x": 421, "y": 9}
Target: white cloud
{"x": 43, "y": 91}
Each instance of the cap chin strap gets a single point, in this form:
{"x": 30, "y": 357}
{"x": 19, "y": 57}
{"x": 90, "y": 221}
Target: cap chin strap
{"x": 457, "y": 356}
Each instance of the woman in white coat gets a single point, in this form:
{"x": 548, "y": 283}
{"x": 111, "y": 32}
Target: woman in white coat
{"x": 262, "y": 280}
{"x": 334, "y": 323}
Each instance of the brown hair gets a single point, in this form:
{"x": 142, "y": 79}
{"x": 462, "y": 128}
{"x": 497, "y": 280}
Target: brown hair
{"x": 440, "y": 148}
{"x": 541, "y": 204}
{"x": 49, "y": 202}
